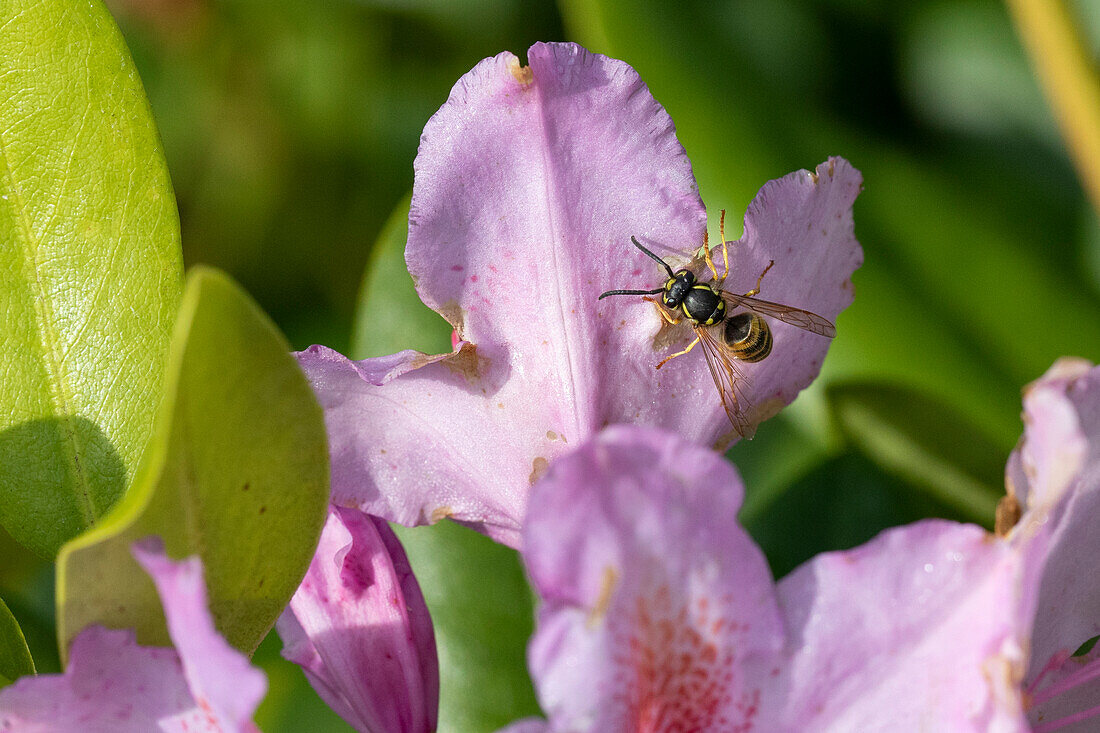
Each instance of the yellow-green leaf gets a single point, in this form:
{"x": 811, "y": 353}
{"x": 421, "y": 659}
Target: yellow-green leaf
{"x": 237, "y": 473}
{"x": 90, "y": 269}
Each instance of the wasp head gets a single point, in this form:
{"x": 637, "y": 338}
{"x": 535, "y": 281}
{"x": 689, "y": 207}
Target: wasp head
{"x": 677, "y": 287}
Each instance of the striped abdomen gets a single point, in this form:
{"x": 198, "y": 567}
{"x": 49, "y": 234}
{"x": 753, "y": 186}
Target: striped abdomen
{"x": 748, "y": 336}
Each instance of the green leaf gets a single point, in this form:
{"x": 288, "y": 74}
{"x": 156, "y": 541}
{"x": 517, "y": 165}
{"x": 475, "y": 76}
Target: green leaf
{"x": 237, "y": 472}
{"x": 390, "y": 315}
{"x": 481, "y": 611}
{"x": 926, "y": 441}
{"x": 89, "y": 269}
{"x": 15, "y": 657}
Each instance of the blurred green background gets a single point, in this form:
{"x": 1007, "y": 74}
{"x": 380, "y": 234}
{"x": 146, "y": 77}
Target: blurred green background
{"x": 290, "y": 129}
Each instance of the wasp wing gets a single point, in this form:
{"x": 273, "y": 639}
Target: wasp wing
{"x": 811, "y": 322}
{"x": 728, "y": 379}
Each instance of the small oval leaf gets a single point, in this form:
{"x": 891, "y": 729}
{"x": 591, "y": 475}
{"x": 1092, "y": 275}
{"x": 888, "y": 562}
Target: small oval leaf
{"x": 90, "y": 269}
{"x": 15, "y": 657}
{"x": 237, "y": 472}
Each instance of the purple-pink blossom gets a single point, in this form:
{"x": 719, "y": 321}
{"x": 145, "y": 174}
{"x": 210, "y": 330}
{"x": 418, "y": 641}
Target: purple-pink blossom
{"x": 530, "y": 182}
{"x": 360, "y": 630}
{"x": 658, "y": 612}
{"x": 113, "y": 684}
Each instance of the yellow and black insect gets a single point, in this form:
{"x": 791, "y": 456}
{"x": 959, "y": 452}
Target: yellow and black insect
{"x": 726, "y": 336}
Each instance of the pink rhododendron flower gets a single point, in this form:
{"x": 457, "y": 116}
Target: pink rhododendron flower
{"x": 530, "y": 182}
{"x": 113, "y": 684}
{"x": 359, "y": 628}
{"x": 659, "y": 613}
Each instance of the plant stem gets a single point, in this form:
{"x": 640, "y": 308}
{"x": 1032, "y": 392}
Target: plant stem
{"x": 1069, "y": 78}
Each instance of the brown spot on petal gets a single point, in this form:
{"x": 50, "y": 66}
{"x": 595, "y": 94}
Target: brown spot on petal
{"x": 538, "y": 468}
{"x": 467, "y": 363}
{"x": 522, "y": 74}
{"x": 813, "y": 177}
{"x": 440, "y": 512}
{"x": 1008, "y": 514}
{"x": 453, "y": 314}
{"x": 551, "y": 435}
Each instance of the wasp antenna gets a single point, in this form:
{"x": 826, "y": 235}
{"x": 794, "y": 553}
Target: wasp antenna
{"x": 631, "y": 292}
{"x": 653, "y": 256}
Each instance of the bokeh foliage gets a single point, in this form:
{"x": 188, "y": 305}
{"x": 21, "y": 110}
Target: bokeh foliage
{"x": 290, "y": 130}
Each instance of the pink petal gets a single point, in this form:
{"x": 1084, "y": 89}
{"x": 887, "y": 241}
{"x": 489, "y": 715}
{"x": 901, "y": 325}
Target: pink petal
{"x": 919, "y": 629}
{"x": 359, "y": 628}
{"x": 529, "y": 185}
{"x": 113, "y": 684}
{"x": 1053, "y": 448}
{"x": 658, "y": 611}
{"x": 802, "y": 221}
{"x": 1059, "y": 460}
{"x": 225, "y": 686}
{"x": 1075, "y": 688}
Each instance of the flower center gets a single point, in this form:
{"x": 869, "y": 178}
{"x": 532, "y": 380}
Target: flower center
{"x": 1068, "y": 673}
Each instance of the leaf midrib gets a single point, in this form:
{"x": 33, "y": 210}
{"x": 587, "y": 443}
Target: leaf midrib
{"x": 60, "y": 393}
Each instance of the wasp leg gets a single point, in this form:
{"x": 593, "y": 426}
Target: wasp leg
{"x": 667, "y": 359}
{"x": 664, "y": 312}
{"x": 706, "y": 256}
{"x": 756, "y": 290}
{"x": 725, "y": 250}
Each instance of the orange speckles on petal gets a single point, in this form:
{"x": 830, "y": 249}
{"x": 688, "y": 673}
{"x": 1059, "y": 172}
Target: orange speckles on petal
{"x": 676, "y": 674}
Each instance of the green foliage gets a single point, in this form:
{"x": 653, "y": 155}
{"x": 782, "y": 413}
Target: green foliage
{"x": 926, "y": 441}
{"x": 481, "y": 612}
{"x": 89, "y": 269}
{"x": 237, "y": 472}
{"x": 15, "y": 657}
{"x": 839, "y": 503}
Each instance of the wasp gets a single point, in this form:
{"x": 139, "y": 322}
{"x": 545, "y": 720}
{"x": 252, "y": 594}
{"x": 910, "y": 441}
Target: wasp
{"x": 728, "y": 337}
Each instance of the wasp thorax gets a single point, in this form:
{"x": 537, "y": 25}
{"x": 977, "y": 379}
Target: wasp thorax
{"x": 748, "y": 336}
{"x": 677, "y": 287}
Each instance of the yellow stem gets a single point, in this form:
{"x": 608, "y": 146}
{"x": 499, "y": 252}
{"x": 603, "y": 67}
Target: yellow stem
{"x": 1069, "y": 78}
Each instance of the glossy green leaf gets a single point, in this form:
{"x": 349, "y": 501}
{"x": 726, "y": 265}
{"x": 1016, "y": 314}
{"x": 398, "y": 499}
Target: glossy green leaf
{"x": 237, "y": 472}
{"x": 15, "y": 657}
{"x": 926, "y": 441}
{"x": 89, "y": 269}
{"x": 481, "y": 609}
{"x": 390, "y": 316}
